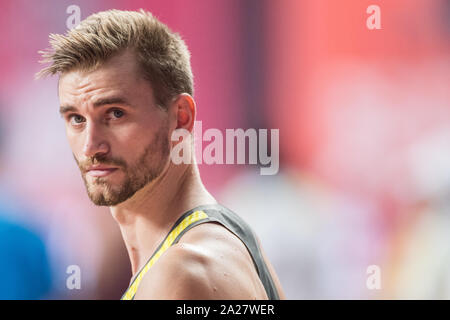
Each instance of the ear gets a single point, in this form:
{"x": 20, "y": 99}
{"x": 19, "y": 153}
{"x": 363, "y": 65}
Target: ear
{"x": 185, "y": 112}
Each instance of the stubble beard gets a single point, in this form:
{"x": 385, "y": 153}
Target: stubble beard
{"x": 147, "y": 168}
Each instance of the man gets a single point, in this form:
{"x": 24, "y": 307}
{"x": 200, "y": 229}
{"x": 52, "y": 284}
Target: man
{"x": 125, "y": 90}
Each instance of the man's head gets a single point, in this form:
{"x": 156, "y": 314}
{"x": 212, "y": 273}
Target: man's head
{"x": 162, "y": 56}
{"x": 125, "y": 85}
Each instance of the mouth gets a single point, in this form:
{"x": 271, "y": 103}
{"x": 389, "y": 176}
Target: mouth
{"x": 100, "y": 171}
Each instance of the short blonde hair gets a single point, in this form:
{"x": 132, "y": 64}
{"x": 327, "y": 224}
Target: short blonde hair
{"x": 162, "y": 55}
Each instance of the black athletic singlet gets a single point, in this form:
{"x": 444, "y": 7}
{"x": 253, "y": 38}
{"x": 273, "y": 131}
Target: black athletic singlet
{"x": 210, "y": 213}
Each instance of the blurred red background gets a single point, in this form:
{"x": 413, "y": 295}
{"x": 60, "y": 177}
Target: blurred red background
{"x": 364, "y": 122}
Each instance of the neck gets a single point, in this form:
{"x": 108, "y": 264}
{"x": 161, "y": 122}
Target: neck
{"x": 146, "y": 218}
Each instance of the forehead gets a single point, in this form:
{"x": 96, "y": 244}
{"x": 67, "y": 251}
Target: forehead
{"x": 120, "y": 74}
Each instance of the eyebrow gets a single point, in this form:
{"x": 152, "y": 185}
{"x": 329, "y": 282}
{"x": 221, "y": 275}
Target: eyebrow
{"x": 98, "y": 103}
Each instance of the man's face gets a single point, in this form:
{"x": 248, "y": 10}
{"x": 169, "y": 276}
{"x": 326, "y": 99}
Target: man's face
{"x": 118, "y": 135}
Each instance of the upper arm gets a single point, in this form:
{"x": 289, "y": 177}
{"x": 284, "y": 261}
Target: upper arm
{"x": 181, "y": 273}
{"x": 189, "y": 272}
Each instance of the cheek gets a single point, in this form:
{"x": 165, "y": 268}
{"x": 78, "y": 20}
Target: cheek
{"x": 75, "y": 143}
{"x": 135, "y": 134}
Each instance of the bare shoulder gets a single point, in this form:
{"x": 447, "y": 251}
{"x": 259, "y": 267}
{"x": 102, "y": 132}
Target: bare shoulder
{"x": 209, "y": 262}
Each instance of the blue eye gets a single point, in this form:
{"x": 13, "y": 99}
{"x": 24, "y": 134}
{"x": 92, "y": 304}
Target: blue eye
{"x": 118, "y": 113}
{"x": 76, "y": 119}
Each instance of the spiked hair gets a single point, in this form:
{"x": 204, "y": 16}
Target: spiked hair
{"x": 162, "y": 55}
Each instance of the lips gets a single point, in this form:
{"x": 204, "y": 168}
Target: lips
{"x": 100, "y": 171}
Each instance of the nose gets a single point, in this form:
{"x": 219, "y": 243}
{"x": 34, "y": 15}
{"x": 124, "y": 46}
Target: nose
{"x": 95, "y": 143}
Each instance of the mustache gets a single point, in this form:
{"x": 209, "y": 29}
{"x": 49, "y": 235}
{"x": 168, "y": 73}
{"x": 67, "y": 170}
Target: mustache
{"x": 96, "y": 160}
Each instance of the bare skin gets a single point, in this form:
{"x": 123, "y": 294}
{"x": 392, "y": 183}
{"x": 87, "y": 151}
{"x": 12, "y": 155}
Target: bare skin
{"x": 112, "y": 121}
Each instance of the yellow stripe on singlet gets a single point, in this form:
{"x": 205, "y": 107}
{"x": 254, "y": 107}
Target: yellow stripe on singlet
{"x": 196, "y": 216}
